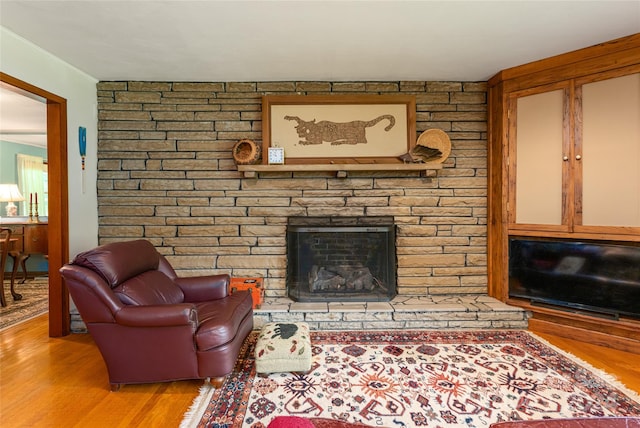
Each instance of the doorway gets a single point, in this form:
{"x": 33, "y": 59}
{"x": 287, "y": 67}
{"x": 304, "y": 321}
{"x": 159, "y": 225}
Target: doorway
{"x": 58, "y": 230}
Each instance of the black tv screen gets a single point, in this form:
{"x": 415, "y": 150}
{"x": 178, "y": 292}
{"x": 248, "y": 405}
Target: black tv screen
{"x": 591, "y": 276}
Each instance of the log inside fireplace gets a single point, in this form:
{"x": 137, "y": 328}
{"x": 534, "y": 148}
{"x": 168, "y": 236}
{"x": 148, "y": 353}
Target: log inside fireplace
{"x": 341, "y": 259}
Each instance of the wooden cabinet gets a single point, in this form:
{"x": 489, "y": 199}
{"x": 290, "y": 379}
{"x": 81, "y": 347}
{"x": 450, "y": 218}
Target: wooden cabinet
{"x": 574, "y": 149}
{"x": 564, "y": 162}
{"x": 31, "y": 238}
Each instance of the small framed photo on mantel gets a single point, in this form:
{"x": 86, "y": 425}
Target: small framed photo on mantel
{"x": 337, "y": 129}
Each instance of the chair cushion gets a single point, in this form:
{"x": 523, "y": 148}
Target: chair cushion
{"x": 149, "y": 288}
{"x": 119, "y": 261}
{"x": 219, "y": 320}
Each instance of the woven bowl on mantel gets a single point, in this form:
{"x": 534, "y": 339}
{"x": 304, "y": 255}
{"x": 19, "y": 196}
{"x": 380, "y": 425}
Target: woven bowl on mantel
{"x": 246, "y": 152}
{"x": 436, "y": 139}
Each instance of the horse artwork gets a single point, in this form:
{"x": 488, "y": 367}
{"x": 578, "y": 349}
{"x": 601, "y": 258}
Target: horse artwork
{"x": 337, "y": 133}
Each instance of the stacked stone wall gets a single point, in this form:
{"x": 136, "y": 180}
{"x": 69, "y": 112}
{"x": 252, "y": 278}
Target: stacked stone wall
{"x": 166, "y": 174}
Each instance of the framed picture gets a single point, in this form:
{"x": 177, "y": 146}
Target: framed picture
{"x": 335, "y": 129}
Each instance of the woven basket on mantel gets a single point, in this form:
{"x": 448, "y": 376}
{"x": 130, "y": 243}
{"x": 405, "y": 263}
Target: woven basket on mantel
{"x": 246, "y": 152}
{"x": 436, "y": 139}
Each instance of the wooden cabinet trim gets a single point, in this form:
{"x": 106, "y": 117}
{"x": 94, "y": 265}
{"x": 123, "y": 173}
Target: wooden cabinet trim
{"x": 615, "y": 63}
{"x": 610, "y": 74}
{"x": 605, "y": 56}
{"x": 591, "y": 233}
{"x": 576, "y": 165}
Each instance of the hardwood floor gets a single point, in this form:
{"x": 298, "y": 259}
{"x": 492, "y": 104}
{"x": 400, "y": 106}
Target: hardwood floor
{"x": 62, "y": 382}
{"x": 623, "y": 366}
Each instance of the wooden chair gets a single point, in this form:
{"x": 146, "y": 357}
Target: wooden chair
{"x": 5, "y": 243}
{"x": 18, "y": 258}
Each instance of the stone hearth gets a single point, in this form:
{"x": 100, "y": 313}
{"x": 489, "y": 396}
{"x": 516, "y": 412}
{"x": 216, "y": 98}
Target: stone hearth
{"x": 403, "y": 312}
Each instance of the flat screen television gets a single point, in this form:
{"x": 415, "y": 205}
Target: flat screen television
{"x": 595, "y": 277}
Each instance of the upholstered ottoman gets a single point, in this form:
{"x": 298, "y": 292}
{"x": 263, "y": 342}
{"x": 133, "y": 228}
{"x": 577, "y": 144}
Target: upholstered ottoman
{"x": 283, "y": 347}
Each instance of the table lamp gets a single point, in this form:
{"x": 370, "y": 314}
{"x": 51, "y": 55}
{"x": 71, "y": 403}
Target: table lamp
{"x": 10, "y": 193}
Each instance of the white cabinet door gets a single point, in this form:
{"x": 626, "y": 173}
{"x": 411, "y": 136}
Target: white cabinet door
{"x": 539, "y": 154}
{"x": 611, "y": 152}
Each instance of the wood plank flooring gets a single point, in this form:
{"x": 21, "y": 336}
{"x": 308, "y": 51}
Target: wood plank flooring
{"x": 62, "y": 382}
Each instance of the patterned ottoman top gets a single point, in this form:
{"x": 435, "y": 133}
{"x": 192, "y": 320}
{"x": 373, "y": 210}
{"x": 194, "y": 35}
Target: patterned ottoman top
{"x": 282, "y": 345}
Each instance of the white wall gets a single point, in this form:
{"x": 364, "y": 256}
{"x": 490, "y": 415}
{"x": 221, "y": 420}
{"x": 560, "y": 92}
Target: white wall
{"x": 23, "y": 60}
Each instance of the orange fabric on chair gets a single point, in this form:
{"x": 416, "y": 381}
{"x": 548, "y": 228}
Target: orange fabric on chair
{"x": 254, "y": 285}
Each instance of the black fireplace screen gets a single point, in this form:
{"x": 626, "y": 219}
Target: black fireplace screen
{"x": 341, "y": 259}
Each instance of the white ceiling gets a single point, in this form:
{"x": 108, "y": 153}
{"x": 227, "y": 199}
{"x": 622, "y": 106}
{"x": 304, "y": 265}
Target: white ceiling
{"x": 312, "y": 40}
{"x": 23, "y": 119}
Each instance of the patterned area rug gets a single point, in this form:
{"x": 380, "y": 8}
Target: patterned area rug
{"x": 417, "y": 378}
{"x": 35, "y": 301}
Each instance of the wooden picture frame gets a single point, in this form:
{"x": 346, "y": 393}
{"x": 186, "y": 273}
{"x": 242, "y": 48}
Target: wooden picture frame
{"x": 339, "y": 129}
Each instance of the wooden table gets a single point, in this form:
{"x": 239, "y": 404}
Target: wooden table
{"x": 26, "y": 239}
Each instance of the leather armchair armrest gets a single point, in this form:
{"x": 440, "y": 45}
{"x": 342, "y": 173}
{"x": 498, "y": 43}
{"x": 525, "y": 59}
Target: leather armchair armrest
{"x": 204, "y": 288}
{"x": 158, "y": 315}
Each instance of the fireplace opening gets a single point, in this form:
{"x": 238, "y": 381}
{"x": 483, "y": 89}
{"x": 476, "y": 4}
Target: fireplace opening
{"x": 341, "y": 259}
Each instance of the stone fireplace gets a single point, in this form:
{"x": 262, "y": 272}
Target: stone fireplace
{"x": 166, "y": 174}
{"x": 334, "y": 259}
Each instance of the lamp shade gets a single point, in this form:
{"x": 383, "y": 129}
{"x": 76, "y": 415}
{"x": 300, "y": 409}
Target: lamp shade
{"x": 10, "y": 193}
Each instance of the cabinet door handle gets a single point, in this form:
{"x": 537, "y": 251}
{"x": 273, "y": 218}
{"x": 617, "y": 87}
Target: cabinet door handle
{"x": 578, "y": 157}
{"x": 565, "y": 158}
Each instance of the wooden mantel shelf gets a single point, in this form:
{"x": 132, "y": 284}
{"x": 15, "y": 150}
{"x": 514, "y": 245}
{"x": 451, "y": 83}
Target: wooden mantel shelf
{"x": 341, "y": 170}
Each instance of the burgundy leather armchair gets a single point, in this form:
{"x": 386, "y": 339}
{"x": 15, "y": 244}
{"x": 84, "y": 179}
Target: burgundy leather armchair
{"x": 150, "y": 325}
